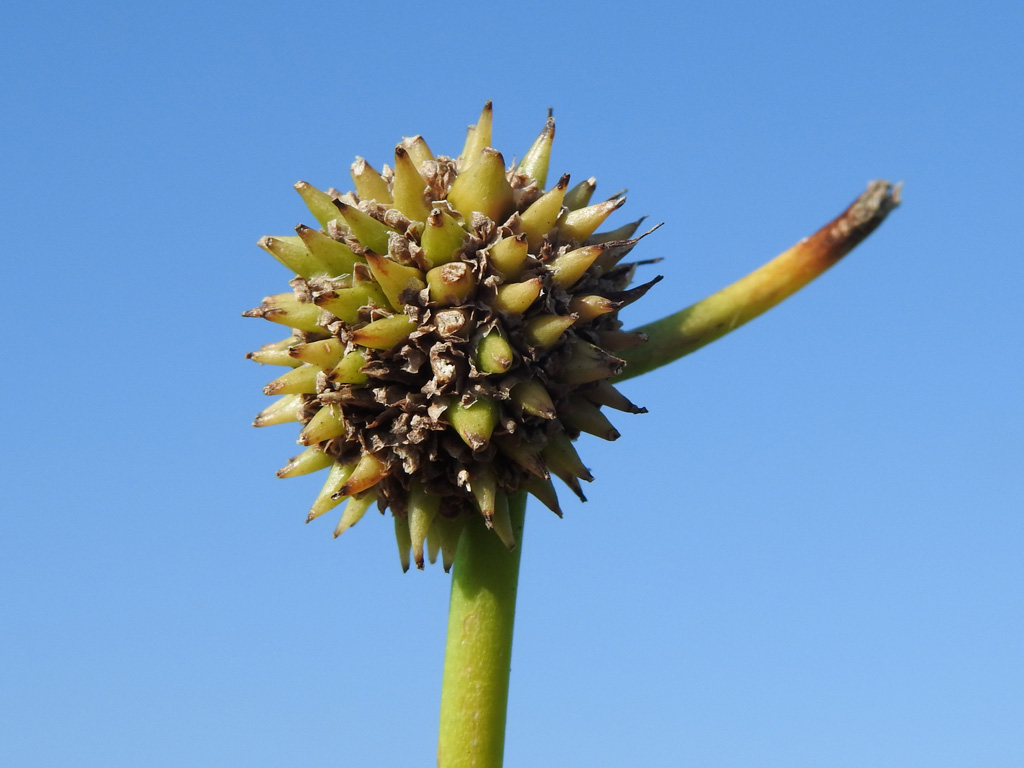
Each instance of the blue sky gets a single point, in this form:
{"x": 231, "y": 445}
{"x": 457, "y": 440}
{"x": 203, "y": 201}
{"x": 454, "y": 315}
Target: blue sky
{"x": 807, "y": 554}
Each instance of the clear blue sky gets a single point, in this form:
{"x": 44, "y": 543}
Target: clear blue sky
{"x": 807, "y": 554}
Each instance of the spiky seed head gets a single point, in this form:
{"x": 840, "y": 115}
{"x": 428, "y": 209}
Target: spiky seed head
{"x": 454, "y": 328}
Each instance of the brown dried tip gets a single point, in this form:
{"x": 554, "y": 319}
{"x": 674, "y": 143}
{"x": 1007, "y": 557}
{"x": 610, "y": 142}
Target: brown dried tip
{"x": 686, "y": 331}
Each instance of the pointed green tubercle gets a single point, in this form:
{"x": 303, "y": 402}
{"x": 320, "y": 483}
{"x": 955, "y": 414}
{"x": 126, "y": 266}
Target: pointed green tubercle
{"x": 508, "y": 255}
{"x": 535, "y": 161}
{"x": 543, "y": 331}
{"x": 337, "y": 258}
{"x": 385, "y": 333}
{"x": 354, "y": 510}
{"x": 534, "y": 399}
{"x": 324, "y": 353}
{"x": 369, "y": 184}
{"x": 477, "y": 138}
{"x": 540, "y": 217}
{"x": 293, "y": 254}
{"x": 347, "y": 370}
{"x": 474, "y": 423}
{"x": 579, "y": 196}
{"x": 325, "y": 500}
{"x": 298, "y": 381}
{"x": 276, "y": 353}
{"x": 326, "y": 424}
{"x": 320, "y": 204}
{"x": 494, "y": 354}
{"x": 451, "y": 284}
{"x": 410, "y": 191}
{"x": 423, "y": 507}
{"x": 368, "y": 231}
{"x": 310, "y": 460}
{"x": 442, "y": 237}
{"x": 396, "y": 280}
{"x": 483, "y": 188}
{"x": 516, "y": 298}
{"x": 403, "y": 537}
{"x": 282, "y": 411}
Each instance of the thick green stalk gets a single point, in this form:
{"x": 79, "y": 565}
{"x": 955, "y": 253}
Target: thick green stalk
{"x": 474, "y": 696}
{"x": 686, "y": 331}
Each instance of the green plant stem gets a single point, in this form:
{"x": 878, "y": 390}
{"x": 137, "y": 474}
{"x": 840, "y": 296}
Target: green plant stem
{"x": 686, "y": 331}
{"x": 474, "y": 695}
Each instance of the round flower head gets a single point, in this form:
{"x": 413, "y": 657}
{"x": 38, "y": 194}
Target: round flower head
{"x": 454, "y": 326}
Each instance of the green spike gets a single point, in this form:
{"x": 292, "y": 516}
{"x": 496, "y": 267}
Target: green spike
{"x": 613, "y": 254}
{"x": 562, "y": 459}
{"x": 403, "y": 538}
{"x": 483, "y": 188}
{"x": 449, "y": 530}
{"x": 385, "y": 333}
{"x": 418, "y": 150}
{"x": 347, "y": 370}
{"x": 492, "y": 502}
{"x": 293, "y": 254}
{"x": 326, "y": 424}
{"x": 534, "y": 399}
{"x": 544, "y": 331}
{"x": 423, "y": 508}
{"x": 367, "y": 473}
{"x": 285, "y": 309}
{"x": 395, "y": 279}
{"x": 310, "y": 460}
{"x": 325, "y": 500}
{"x": 281, "y": 411}
{"x": 502, "y": 521}
{"x": 635, "y": 294}
{"x": 483, "y": 483}
{"x": 544, "y": 490}
{"x": 451, "y": 284}
{"x": 320, "y": 204}
{"x": 337, "y": 258}
{"x": 354, "y": 510}
{"x": 579, "y": 196}
{"x": 589, "y": 308}
{"x": 516, "y": 298}
{"x": 624, "y": 232}
{"x": 298, "y": 381}
{"x": 477, "y": 137}
{"x": 275, "y": 354}
{"x": 323, "y": 354}
{"x": 433, "y": 543}
{"x": 368, "y": 231}
{"x": 370, "y": 185}
{"x": 523, "y": 454}
{"x": 493, "y": 353}
{"x": 441, "y": 239}
{"x": 410, "y": 191}
{"x": 540, "y": 217}
{"x": 345, "y": 303}
{"x": 588, "y": 363}
{"x": 580, "y": 414}
{"x": 568, "y": 268}
{"x": 572, "y": 482}
{"x": 508, "y": 256}
{"x": 580, "y": 224}
{"x": 535, "y": 161}
{"x": 604, "y": 393}
{"x": 475, "y": 422}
